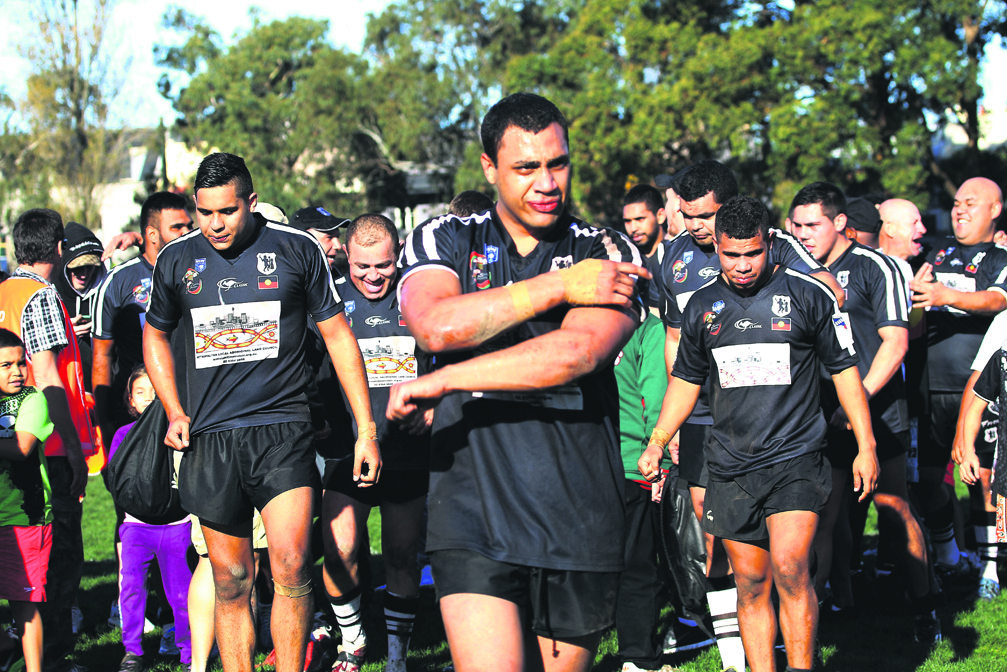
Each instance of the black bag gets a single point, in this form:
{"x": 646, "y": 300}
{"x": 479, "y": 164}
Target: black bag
{"x": 141, "y": 473}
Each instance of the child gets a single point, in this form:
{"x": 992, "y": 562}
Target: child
{"x": 25, "y": 497}
{"x": 143, "y": 543}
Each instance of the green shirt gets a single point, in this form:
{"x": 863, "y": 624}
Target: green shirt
{"x": 642, "y": 379}
{"x": 25, "y": 494}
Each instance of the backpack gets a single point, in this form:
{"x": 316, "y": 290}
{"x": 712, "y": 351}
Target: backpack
{"x": 141, "y": 473}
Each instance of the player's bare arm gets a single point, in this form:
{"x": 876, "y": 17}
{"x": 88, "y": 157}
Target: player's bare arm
{"x": 349, "y": 365}
{"x": 442, "y": 319}
{"x": 887, "y": 361}
{"x": 48, "y": 381}
{"x": 587, "y": 338}
{"x": 853, "y": 399}
{"x": 160, "y": 365}
{"x": 927, "y": 293}
{"x": 958, "y": 446}
{"x": 969, "y": 422}
{"x": 672, "y": 336}
{"x": 679, "y": 400}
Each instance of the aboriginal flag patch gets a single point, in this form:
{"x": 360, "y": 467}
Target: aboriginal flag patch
{"x": 781, "y": 324}
{"x": 269, "y": 282}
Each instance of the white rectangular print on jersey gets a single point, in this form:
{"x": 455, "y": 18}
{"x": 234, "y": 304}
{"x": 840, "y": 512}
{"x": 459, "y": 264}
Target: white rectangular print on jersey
{"x": 235, "y": 333}
{"x": 753, "y": 364}
{"x": 388, "y": 359}
{"x": 959, "y": 283}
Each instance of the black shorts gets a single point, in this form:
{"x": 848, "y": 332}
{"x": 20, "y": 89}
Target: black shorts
{"x": 225, "y": 475}
{"x": 986, "y": 441}
{"x": 737, "y": 509}
{"x": 691, "y": 454}
{"x": 394, "y": 487}
{"x": 841, "y": 447}
{"x": 937, "y": 431}
{"x": 557, "y": 604}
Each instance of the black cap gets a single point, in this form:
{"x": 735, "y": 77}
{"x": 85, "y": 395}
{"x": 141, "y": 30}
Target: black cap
{"x": 670, "y": 181}
{"x": 862, "y": 215}
{"x": 317, "y": 218}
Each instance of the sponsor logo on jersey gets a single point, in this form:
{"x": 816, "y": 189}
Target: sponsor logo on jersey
{"x": 375, "y": 320}
{"x": 844, "y": 278}
{"x": 679, "y": 271}
{"x": 971, "y": 268}
{"x": 559, "y": 263}
{"x": 266, "y": 262}
{"x": 200, "y": 265}
{"x": 746, "y": 323}
{"x": 990, "y": 434}
{"x": 708, "y": 272}
{"x": 781, "y": 324}
{"x": 956, "y": 262}
{"x": 781, "y": 305}
{"x": 141, "y": 293}
{"x": 939, "y": 257}
{"x": 492, "y": 254}
{"x": 480, "y": 274}
{"x": 402, "y": 321}
{"x": 230, "y": 283}
{"x": 192, "y": 282}
{"x": 269, "y": 282}
{"x": 718, "y": 306}
{"x": 974, "y": 266}
{"x": 350, "y": 306}
{"x": 712, "y": 327}
{"x": 687, "y": 257}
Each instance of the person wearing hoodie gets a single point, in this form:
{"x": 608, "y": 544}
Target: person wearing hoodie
{"x": 80, "y": 275}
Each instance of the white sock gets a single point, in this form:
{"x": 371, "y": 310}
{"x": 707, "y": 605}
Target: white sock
{"x": 987, "y": 547}
{"x": 350, "y": 620}
{"x": 724, "y": 613}
{"x": 400, "y": 616}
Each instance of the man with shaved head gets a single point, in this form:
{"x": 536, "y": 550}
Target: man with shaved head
{"x": 962, "y": 286}
{"x": 901, "y": 229}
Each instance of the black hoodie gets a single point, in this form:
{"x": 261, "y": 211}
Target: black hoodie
{"x": 80, "y": 241}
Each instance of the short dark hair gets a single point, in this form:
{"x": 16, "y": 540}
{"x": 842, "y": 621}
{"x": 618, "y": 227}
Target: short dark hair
{"x": 220, "y": 169}
{"x": 370, "y": 229}
{"x": 8, "y": 339}
{"x": 469, "y": 203}
{"x": 825, "y": 194}
{"x": 646, "y": 194}
{"x": 156, "y": 203}
{"x": 527, "y": 111}
{"x": 37, "y": 235}
{"x": 741, "y": 218}
{"x": 706, "y": 176}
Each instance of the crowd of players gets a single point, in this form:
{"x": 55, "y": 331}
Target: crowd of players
{"x": 501, "y": 384}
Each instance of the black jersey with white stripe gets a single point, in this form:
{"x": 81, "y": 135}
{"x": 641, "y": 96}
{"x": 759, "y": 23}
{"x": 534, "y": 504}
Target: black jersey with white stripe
{"x": 687, "y": 267}
{"x": 532, "y": 478}
{"x": 120, "y": 315}
{"x": 875, "y": 298}
{"x": 762, "y": 354}
{"x": 954, "y": 336}
{"x": 244, "y": 319}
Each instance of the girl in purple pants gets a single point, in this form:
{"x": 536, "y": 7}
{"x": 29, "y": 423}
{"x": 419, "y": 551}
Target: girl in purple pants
{"x": 141, "y": 545}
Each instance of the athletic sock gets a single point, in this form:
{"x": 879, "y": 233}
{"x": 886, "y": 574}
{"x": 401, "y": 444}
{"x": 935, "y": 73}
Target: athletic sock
{"x": 347, "y": 610}
{"x": 986, "y": 546}
{"x": 942, "y": 533}
{"x": 724, "y": 613}
{"x": 400, "y": 615}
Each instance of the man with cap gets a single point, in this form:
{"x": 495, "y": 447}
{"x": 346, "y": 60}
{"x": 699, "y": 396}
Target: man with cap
{"x": 77, "y": 283}
{"x": 324, "y": 226}
{"x": 863, "y": 221}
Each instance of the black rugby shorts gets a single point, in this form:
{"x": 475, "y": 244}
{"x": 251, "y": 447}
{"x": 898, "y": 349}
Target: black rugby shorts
{"x": 937, "y": 430}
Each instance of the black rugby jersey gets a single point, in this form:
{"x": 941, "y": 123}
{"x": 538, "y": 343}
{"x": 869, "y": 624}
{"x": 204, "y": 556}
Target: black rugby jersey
{"x": 762, "y": 354}
{"x": 954, "y": 336}
{"x": 532, "y": 478}
{"x": 875, "y": 298}
{"x": 687, "y": 267}
{"x": 245, "y": 322}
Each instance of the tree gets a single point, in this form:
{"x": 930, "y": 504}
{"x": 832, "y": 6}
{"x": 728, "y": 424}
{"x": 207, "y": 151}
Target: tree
{"x": 66, "y": 109}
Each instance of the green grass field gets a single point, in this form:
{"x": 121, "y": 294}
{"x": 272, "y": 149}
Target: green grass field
{"x": 879, "y": 638}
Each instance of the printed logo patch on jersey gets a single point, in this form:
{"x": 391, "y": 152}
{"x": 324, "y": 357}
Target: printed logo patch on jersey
{"x": 227, "y": 284}
{"x": 269, "y": 282}
{"x": 746, "y": 323}
{"x": 713, "y": 328}
{"x": 388, "y": 359}
{"x": 141, "y": 293}
{"x": 375, "y": 320}
{"x": 844, "y": 278}
{"x": 781, "y": 305}
{"x": 266, "y": 262}
{"x": 679, "y": 271}
{"x": 687, "y": 257}
{"x": 192, "y": 282}
{"x": 200, "y": 265}
{"x": 238, "y": 332}
{"x": 781, "y": 324}
{"x": 956, "y": 262}
{"x": 402, "y": 321}
{"x": 939, "y": 257}
{"x": 480, "y": 274}
{"x": 559, "y": 263}
{"x": 350, "y": 306}
{"x": 708, "y": 272}
{"x": 718, "y": 306}
{"x": 492, "y": 254}
{"x": 844, "y": 334}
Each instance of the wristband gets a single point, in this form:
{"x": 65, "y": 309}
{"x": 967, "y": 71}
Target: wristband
{"x": 368, "y": 432}
{"x": 660, "y": 438}
{"x": 521, "y": 299}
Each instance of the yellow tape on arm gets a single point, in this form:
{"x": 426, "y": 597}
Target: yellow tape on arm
{"x": 522, "y": 300}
